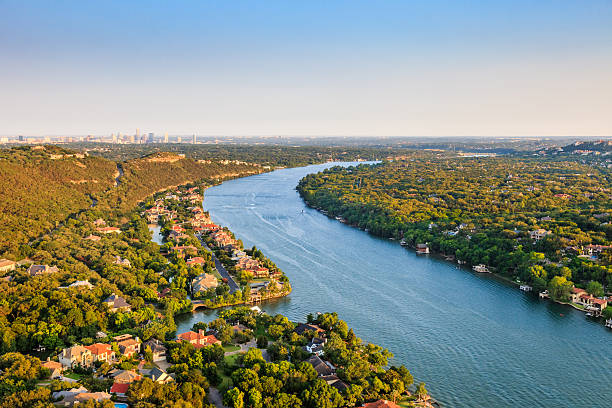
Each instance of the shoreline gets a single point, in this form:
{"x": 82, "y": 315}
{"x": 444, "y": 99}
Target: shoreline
{"x": 441, "y": 257}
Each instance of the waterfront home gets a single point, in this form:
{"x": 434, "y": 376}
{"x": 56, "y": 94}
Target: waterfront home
{"x": 316, "y": 346}
{"x": 108, "y": 230}
{"x": 158, "y": 350}
{"x": 526, "y": 288}
{"x": 199, "y": 339}
{"x": 7, "y": 265}
{"x": 576, "y": 293}
{"x": 117, "y": 304}
{"x": 129, "y": 347}
{"x": 55, "y": 368}
{"x": 381, "y": 404}
{"x": 75, "y": 356}
{"x": 301, "y": 328}
{"x": 35, "y": 270}
{"x": 422, "y": 249}
{"x": 539, "y": 234}
{"x": 481, "y": 268}
{"x": 335, "y": 382}
{"x": 101, "y": 352}
{"x": 204, "y": 282}
{"x": 261, "y": 272}
{"x": 323, "y": 368}
{"x": 581, "y": 297}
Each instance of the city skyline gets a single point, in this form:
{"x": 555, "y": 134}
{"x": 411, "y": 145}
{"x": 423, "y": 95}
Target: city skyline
{"x": 319, "y": 69}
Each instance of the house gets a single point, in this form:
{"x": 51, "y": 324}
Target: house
{"x": 199, "y": 339}
{"x": 126, "y": 376}
{"x": 335, "y": 382}
{"x": 81, "y": 284}
{"x": 316, "y": 346}
{"x": 539, "y": 234}
{"x": 576, "y": 293}
{"x": 323, "y": 368}
{"x": 117, "y": 304}
{"x": 261, "y": 272}
{"x": 129, "y": 347}
{"x": 157, "y": 349}
{"x": 303, "y": 327}
{"x": 198, "y": 260}
{"x": 164, "y": 293}
{"x": 7, "y": 265}
{"x": 54, "y": 367}
{"x": 381, "y": 404}
{"x": 78, "y": 396}
{"x": 204, "y": 282}
{"x": 75, "y": 356}
{"x": 99, "y": 222}
{"x": 102, "y": 352}
{"x": 160, "y": 376}
{"x": 422, "y": 249}
{"x": 120, "y": 390}
{"x": 122, "y": 262}
{"x": 35, "y": 270}
{"x": 108, "y": 230}
{"x": 92, "y": 237}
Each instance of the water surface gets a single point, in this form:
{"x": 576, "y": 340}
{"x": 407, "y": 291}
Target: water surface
{"x": 475, "y": 341}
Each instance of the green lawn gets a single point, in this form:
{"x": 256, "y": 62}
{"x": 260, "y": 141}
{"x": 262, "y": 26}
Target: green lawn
{"x": 231, "y": 360}
{"x": 230, "y": 347}
{"x": 72, "y": 375}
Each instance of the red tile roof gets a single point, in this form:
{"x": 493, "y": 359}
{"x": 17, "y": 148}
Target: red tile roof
{"x": 381, "y": 404}
{"x": 119, "y": 388}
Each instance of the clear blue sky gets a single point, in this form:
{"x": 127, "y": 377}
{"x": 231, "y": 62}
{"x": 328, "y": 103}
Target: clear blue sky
{"x": 540, "y": 67}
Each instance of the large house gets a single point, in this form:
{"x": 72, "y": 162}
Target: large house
{"x": 102, "y": 352}
{"x": 80, "y": 395}
{"x": 381, "y": 404}
{"x": 129, "y": 346}
{"x": 199, "y": 339}
{"x": 7, "y": 265}
{"x": 54, "y": 368}
{"x": 108, "y": 230}
{"x": 582, "y": 297}
{"x": 322, "y": 368}
{"x": 157, "y": 349}
{"x": 126, "y": 376}
{"x": 539, "y": 234}
{"x": 35, "y": 270}
{"x": 204, "y": 282}
{"x": 117, "y": 304}
{"x": 76, "y": 356}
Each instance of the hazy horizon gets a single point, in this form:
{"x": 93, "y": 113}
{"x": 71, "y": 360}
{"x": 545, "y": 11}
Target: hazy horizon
{"x": 316, "y": 69}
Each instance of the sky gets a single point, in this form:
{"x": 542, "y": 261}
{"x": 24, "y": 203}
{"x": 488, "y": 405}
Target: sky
{"x": 332, "y": 68}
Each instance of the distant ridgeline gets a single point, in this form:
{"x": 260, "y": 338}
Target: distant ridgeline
{"x": 43, "y": 185}
{"x": 544, "y": 222}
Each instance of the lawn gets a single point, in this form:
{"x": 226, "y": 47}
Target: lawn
{"x": 230, "y": 347}
{"x": 72, "y": 375}
{"x": 230, "y": 361}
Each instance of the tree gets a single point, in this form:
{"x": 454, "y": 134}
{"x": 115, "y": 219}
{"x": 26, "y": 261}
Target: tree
{"x": 421, "y": 391}
{"x": 234, "y": 398}
{"x": 262, "y": 342}
{"x": 559, "y": 288}
{"x": 595, "y": 288}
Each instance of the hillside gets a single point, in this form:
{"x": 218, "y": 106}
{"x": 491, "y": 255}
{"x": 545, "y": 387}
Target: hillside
{"x": 41, "y": 186}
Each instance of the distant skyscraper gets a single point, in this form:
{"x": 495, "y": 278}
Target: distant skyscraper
{"x": 194, "y": 139}
{"x": 114, "y": 138}
{"x": 166, "y": 137}
{"x": 151, "y": 137}
{"x": 22, "y": 138}
{"x": 178, "y": 139}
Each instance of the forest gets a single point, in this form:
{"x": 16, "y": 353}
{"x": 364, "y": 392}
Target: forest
{"x": 484, "y": 210}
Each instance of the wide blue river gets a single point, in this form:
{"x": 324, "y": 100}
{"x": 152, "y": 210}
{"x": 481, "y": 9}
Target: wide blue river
{"x": 475, "y": 340}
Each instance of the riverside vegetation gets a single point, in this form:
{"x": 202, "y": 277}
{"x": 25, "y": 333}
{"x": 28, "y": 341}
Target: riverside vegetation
{"x": 540, "y": 221}
{"x": 97, "y": 251}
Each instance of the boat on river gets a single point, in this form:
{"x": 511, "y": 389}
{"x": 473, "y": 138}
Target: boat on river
{"x": 482, "y": 268}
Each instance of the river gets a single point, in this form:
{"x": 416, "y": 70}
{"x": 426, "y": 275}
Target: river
{"x": 475, "y": 340}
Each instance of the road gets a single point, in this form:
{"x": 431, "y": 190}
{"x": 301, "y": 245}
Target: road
{"x": 222, "y": 271}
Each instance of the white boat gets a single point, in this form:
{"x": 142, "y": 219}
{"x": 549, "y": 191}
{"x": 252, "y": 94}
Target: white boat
{"x": 403, "y": 242}
{"x": 481, "y": 268}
